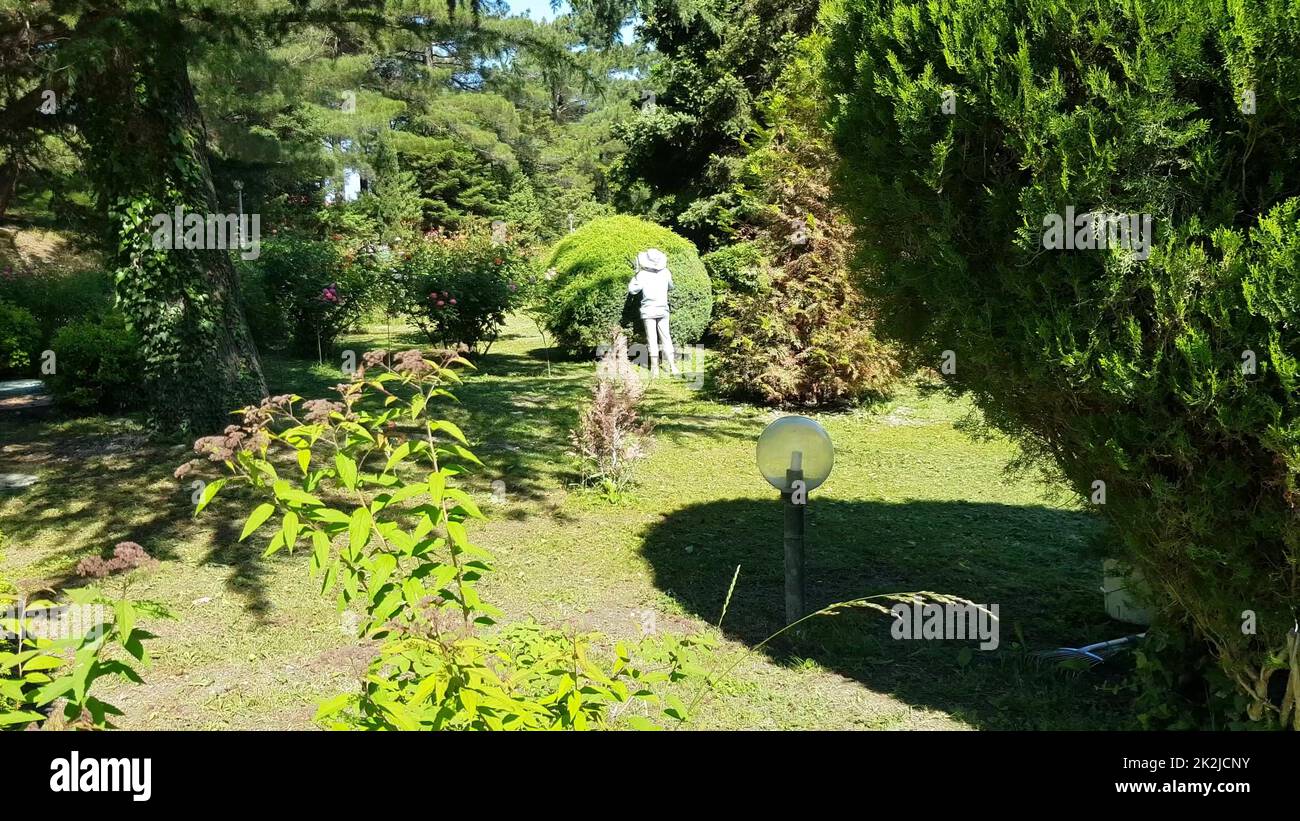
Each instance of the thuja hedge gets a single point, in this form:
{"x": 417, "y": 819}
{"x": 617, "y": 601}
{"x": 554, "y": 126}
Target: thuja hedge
{"x": 964, "y": 124}
{"x": 592, "y": 267}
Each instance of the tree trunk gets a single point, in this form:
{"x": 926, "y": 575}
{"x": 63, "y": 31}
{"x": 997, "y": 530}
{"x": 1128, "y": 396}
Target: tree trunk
{"x": 148, "y": 155}
{"x": 8, "y": 184}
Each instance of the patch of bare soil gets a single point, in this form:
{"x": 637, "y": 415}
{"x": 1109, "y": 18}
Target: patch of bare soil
{"x": 265, "y": 695}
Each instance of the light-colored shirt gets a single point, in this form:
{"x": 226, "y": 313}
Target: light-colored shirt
{"x": 653, "y": 286}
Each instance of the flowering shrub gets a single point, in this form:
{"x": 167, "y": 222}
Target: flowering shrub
{"x": 308, "y": 293}
{"x": 458, "y": 289}
{"x": 42, "y": 668}
{"x": 374, "y": 495}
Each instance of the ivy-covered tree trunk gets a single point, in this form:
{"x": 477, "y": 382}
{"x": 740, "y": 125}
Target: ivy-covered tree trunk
{"x": 148, "y": 155}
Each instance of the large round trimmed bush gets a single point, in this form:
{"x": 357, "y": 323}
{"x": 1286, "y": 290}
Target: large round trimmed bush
{"x": 1174, "y": 377}
{"x": 593, "y": 266}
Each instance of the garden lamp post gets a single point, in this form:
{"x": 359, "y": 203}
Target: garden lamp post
{"x": 795, "y": 455}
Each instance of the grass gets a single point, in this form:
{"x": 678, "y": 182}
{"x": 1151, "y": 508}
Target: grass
{"x": 30, "y": 245}
{"x": 913, "y": 504}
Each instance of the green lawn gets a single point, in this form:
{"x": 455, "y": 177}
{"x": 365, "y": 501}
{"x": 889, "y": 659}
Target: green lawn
{"x": 913, "y": 504}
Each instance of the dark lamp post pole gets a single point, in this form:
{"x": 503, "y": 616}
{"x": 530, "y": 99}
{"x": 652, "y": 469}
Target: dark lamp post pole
{"x": 794, "y": 555}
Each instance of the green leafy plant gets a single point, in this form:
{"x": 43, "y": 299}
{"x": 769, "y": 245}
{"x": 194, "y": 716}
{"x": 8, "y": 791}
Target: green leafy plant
{"x": 56, "y": 297}
{"x": 1176, "y": 685}
{"x": 52, "y": 653}
{"x": 98, "y": 365}
{"x": 19, "y": 338}
{"x": 534, "y": 305}
{"x": 374, "y": 496}
{"x": 739, "y": 268}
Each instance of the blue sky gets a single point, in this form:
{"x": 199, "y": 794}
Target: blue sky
{"x": 536, "y": 9}
{"x": 541, "y": 10}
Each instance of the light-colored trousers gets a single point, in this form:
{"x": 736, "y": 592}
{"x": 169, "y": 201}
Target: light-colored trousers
{"x": 657, "y": 335}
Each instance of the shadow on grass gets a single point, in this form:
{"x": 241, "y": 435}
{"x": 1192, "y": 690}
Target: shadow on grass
{"x": 1030, "y": 561}
{"x": 89, "y": 489}
{"x": 248, "y": 569}
{"x": 100, "y": 483}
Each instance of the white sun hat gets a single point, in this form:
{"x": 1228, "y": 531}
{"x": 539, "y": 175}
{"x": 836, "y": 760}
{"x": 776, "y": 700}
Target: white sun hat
{"x": 652, "y": 259}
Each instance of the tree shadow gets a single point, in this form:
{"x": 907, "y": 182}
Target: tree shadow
{"x": 88, "y": 488}
{"x": 248, "y": 569}
{"x": 1033, "y": 562}
{"x": 101, "y": 482}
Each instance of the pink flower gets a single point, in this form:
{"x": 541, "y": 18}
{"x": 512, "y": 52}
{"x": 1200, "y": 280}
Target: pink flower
{"x": 440, "y": 303}
{"x": 453, "y": 302}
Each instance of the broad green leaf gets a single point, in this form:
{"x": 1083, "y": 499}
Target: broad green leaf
{"x": 20, "y": 717}
{"x": 465, "y": 454}
{"x": 275, "y": 545}
{"x": 418, "y": 403}
{"x": 465, "y": 502}
{"x": 289, "y": 526}
{"x": 43, "y": 663}
{"x": 400, "y": 495}
{"x": 286, "y": 492}
{"x": 426, "y": 688}
{"x": 210, "y": 491}
{"x": 330, "y": 515}
{"x": 457, "y": 533}
{"x": 347, "y": 469}
{"x": 320, "y": 551}
{"x": 382, "y": 566}
{"x": 400, "y": 453}
{"x": 333, "y": 705}
{"x": 256, "y": 519}
{"x": 125, "y": 618}
{"x": 675, "y": 707}
{"x": 359, "y": 530}
{"x": 449, "y": 427}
